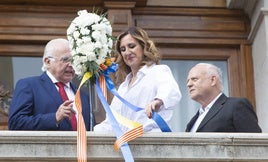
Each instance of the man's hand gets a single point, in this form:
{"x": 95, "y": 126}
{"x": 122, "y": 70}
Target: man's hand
{"x": 64, "y": 111}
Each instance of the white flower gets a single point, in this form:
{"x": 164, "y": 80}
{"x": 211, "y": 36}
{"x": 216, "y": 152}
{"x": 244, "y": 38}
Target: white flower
{"x": 76, "y": 35}
{"x": 90, "y": 37}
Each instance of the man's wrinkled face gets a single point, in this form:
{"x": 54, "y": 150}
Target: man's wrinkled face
{"x": 198, "y": 83}
{"x": 60, "y": 66}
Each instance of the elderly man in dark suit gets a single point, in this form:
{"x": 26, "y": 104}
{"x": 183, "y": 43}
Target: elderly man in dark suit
{"x": 37, "y": 103}
{"x": 218, "y": 113}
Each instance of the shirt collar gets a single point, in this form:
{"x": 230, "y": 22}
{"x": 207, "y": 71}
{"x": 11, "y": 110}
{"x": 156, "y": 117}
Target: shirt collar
{"x": 201, "y": 110}
{"x": 144, "y": 70}
{"x": 54, "y": 80}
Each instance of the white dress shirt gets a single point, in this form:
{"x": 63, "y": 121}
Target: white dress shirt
{"x": 152, "y": 82}
{"x": 203, "y": 113}
{"x": 67, "y": 89}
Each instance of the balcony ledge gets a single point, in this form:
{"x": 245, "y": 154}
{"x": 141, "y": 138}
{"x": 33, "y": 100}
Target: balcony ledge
{"x": 175, "y": 146}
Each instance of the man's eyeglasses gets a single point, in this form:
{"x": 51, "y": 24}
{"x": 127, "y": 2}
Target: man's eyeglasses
{"x": 62, "y": 59}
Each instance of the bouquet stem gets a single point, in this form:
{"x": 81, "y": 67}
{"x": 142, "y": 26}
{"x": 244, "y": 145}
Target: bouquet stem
{"x": 92, "y": 104}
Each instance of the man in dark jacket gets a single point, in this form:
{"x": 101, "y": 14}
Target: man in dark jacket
{"x": 218, "y": 113}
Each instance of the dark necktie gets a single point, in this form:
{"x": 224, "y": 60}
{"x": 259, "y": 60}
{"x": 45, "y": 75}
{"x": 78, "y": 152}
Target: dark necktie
{"x": 64, "y": 97}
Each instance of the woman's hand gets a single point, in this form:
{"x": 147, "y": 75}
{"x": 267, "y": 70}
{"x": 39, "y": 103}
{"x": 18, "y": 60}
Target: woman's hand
{"x": 153, "y": 106}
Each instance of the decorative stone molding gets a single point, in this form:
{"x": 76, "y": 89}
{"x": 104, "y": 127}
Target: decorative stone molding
{"x": 246, "y": 5}
{"x": 256, "y": 26}
{"x": 201, "y": 147}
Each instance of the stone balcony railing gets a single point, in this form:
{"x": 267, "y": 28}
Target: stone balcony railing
{"x": 190, "y": 147}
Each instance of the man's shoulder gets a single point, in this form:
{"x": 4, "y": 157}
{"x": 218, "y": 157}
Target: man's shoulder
{"x": 237, "y": 99}
{"x": 31, "y": 79}
{"x": 229, "y": 98}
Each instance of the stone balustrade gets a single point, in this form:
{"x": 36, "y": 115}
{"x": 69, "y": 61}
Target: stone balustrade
{"x": 176, "y": 146}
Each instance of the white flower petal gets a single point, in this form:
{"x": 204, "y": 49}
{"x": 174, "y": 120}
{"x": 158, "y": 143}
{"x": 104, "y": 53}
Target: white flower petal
{"x": 88, "y": 39}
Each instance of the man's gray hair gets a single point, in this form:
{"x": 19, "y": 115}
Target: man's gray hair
{"x": 214, "y": 70}
{"x": 50, "y": 48}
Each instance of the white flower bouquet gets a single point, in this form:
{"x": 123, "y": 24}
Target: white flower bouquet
{"x": 90, "y": 36}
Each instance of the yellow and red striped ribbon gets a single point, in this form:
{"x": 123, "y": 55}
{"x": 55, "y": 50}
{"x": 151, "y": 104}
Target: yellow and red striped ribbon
{"x": 136, "y": 129}
{"x": 81, "y": 129}
{"x": 103, "y": 85}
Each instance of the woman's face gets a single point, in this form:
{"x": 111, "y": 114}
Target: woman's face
{"x": 131, "y": 51}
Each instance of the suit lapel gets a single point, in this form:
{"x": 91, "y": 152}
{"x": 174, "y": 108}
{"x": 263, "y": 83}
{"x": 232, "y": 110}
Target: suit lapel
{"x": 192, "y": 121}
{"x": 50, "y": 88}
{"x": 213, "y": 110}
{"x": 74, "y": 88}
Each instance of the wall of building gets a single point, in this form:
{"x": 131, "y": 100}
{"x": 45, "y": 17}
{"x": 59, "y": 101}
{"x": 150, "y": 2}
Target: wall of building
{"x": 259, "y": 38}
